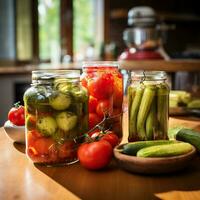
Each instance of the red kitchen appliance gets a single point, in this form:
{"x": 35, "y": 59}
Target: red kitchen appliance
{"x": 143, "y": 39}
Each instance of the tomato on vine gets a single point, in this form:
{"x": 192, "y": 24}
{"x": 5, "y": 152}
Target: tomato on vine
{"x": 16, "y": 115}
{"x": 95, "y": 155}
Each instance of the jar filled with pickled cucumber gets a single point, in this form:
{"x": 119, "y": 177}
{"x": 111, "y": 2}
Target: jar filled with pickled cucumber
{"x": 104, "y": 83}
{"x": 56, "y": 113}
{"x": 148, "y": 105}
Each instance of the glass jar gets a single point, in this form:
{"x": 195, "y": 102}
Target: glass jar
{"x": 56, "y": 111}
{"x": 148, "y": 106}
{"x": 105, "y": 86}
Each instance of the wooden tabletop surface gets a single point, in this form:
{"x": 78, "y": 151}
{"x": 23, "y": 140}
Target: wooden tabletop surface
{"x": 20, "y": 179}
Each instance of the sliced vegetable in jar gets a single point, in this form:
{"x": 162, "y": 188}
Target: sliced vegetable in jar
{"x": 59, "y": 101}
{"x": 46, "y": 126}
{"x": 66, "y": 120}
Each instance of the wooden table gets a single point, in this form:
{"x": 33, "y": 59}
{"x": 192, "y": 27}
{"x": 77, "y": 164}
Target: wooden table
{"x": 20, "y": 179}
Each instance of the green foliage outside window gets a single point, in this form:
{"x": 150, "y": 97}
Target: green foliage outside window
{"x": 49, "y": 26}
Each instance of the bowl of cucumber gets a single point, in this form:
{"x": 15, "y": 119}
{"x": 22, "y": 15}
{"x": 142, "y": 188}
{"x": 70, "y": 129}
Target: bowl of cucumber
{"x": 15, "y": 133}
{"x": 154, "y": 157}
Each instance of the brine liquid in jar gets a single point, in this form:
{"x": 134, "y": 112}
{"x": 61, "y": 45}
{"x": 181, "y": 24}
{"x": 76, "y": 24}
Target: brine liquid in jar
{"x": 104, "y": 83}
{"x": 148, "y": 106}
{"x": 56, "y": 111}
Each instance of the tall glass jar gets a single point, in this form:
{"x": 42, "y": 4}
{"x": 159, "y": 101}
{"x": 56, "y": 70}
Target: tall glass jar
{"x": 56, "y": 111}
{"x": 105, "y": 86}
{"x": 148, "y": 105}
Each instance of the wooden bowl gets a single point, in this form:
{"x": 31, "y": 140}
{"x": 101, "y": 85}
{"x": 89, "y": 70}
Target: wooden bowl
{"x": 15, "y": 133}
{"x": 152, "y": 165}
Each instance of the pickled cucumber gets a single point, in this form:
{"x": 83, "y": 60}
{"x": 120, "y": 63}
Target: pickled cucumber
{"x": 66, "y": 120}
{"x": 36, "y": 100}
{"x": 59, "y": 101}
{"x": 46, "y": 125}
{"x": 148, "y": 111}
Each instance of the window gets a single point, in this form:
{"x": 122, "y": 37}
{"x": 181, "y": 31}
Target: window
{"x": 87, "y": 29}
{"x": 24, "y": 30}
{"x": 49, "y": 30}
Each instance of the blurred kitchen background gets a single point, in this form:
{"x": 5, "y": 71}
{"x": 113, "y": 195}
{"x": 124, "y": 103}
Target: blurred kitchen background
{"x": 52, "y": 33}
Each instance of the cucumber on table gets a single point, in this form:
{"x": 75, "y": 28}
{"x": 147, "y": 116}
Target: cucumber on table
{"x": 133, "y": 147}
{"x": 46, "y": 126}
{"x": 166, "y": 150}
{"x": 190, "y": 136}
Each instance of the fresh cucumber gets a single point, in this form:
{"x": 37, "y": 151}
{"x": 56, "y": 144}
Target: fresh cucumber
{"x": 190, "y": 136}
{"x": 166, "y": 150}
{"x": 133, "y": 147}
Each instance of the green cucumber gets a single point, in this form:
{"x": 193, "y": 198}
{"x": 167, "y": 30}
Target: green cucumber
{"x": 46, "y": 126}
{"x": 190, "y": 136}
{"x": 59, "y": 101}
{"x": 133, "y": 147}
{"x": 145, "y": 105}
{"x": 66, "y": 121}
{"x": 166, "y": 150}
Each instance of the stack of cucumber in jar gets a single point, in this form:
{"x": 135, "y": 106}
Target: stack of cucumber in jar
{"x": 148, "y": 101}
{"x": 56, "y": 113}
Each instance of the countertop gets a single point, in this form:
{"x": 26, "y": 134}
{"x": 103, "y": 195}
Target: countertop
{"x": 168, "y": 66}
{"x": 22, "y": 180}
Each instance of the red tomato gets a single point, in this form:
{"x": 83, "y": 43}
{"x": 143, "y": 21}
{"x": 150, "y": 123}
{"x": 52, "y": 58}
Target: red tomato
{"x": 92, "y": 104}
{"x": 16, "y": 115}
{"x": 101, "y": 87}
{"x": 116, "y": 111}
{"x": 96, "y": 131}
{"x": 43, "y": 145}
{"x": 36, "y": 134}
{"x": 31, "y": 138}
{"x": 95, "y": 155}
{"x": 104, "y": 107}
{"x": 111, "y": 137}
{"x": 84, "y": 82}
{"x": 118, "y": 92}
{"x": 94, "y": 119}
{"x": 66, "y": 150}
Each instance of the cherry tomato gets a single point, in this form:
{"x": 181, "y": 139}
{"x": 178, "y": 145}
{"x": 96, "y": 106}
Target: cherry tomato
{"x": 96, "y": 131}
{"x": 94, "y": 119}
{"x": 31, "y": 138}
{"x": 95, "y": 155}
{"x": 92, "y": 104}
{"x": 118, "y": 92}
{"x": 43, "y": 145}
{"x": 66, "y": 150}
{"x": 16, "y": 115}
{"x": 84, "y": 82}
{"x": 101, "y": 87}
{"x": 36, "y": 134}
{"x": 116, "y": 111}
{"x": 104, "y": 107}
{"x": 111, "y": 137}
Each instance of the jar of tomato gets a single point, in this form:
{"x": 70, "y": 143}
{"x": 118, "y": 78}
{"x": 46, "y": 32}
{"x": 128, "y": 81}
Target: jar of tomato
{"x": 148, "y": 106}
{"x": 56, "y": 112}
{"x": 105, "y": 86}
